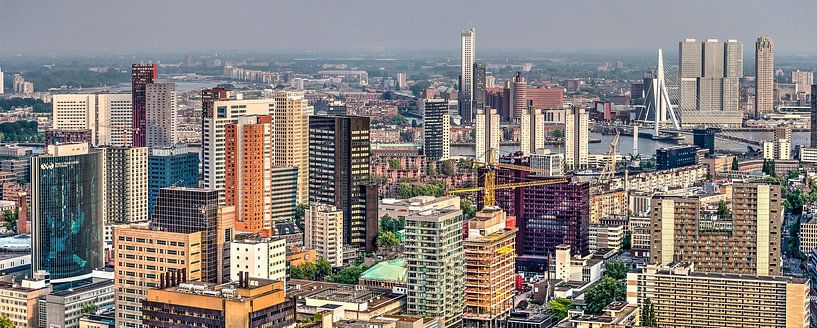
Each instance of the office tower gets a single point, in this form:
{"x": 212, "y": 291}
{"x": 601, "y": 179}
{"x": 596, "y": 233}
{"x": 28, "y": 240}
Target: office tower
{"x": 219, "y": 110}
{"x": 544, "y": 159}
{"x": 106, "y": 115}
{"x": 143, "y": 257}
{"x": 1, "y": 81}
{"x": 478, "y": 89}
{"x": 531, "y": 130}
{"x": 705, "y": 138}
{"x": 161, "y": 115}
{"x": 435, "y": 257}
{"x": 68, "y": 136}
{"x": 338, "y": 164}
{"x": 576, "y": 139}
{"x": 126, "y": 184}
{"x": 436, "y": 130}
{"x": 688, "y": 228}
{"x": 488, "y": 134}
{"x": 291, "y": 135}
{"x": 490, "y": 259}
{"x": 67, "y": 208}
{"x": 764, "y": 75}
{"x": 337, "y": 108}
{"x": 188, "y": 210}
{"x": 685, "y": 298}
{"x": 284, "y": 193}
{"x": 519, "y": 96}
{"x": 249, "y": 302}
{"x": 675, "y": 156}
{"x": 169, "y": 167}
{"x": 248, "y": 166}
{"x": 323, "y": 225}
{"x": 468, "y": 39}
{"x": 803, "y": 81}
{"x": 813, "y": 116}
{"x": 141, "y": 76}
{"x": 15, "y": 160}
{"x": 263, "y": 258}
{"x": 401, "y": 81}
{"x": 710, "y": 72}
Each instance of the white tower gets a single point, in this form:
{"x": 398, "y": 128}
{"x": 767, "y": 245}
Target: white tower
{"x": 661, "y": 106}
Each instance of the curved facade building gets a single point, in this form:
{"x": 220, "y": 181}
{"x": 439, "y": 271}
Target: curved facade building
{"x": 67, "y": 211}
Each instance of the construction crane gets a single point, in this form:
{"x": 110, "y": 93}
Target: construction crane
{"x": 489, "y": 186}
{"x": 609, "y": 170}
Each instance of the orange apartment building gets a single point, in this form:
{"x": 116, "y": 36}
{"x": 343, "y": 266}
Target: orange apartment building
{"x": 248, "y": 162}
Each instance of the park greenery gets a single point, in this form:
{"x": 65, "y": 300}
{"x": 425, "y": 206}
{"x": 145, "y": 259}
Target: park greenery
{"x": 406, "y": 190}
{"x": 20, "y": 131}
{"x": 388, "y": 223}
{"x": 37, "y": 105}
{"x": 322, "y": 270}
{"x": 394, "y": 120}
{"x": 387, "y": 240}
{"x": 648, "y": 318}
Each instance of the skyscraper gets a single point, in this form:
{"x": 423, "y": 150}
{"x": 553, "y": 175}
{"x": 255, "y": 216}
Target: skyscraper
{"x": 531, "y": 130}
{"x": 188, "y": 210}
{"x": 488, "y": 133}
{"x": 764, "y": 75}
{"x": 141, "y": 76}
{"x": 576, "y": 138}
{"x": 248, "y": 172}
{"x": 710, "y": 73}
{"x": 67, "y": 207}
{"x": 291, "y": 135}
{"x": 814, "y": 116}
{"x": 126, "y": 184}
{"x": 107, "y": 115}
{"x": 468, "y": 39}
{"x": 338, "y": 165}
{"x": 435, "y": 257}
{"x": 436, "y": 130}
{"x": 479, "y": 86}
{"x": 161, "y": 115}
{"x": 1, "y": 81}
{"x": 519, "y": 96}
{"x": 803, "y": 80}
{"x": 168, "y": 167}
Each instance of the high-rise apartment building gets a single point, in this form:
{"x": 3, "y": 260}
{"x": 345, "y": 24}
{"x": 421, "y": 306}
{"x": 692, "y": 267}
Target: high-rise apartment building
{"x": 248, "y": 167}
{"x": 479, "y": 86}
{"x": 813, "y": 117}
{"x": 161, "y": 115}
{"x": 67, "y": 208}
{"x": 488, "y": 134}
{"x": 685, "y": 298}
{"x": 531, "y": 130}
{"x": 803, "y": 81}
{"x": 106, "y": 115}
{"x": 1, "y": 81}
{"x": 249, "y": 302}
{"x": 126, "y": 185}
{"x": 291, "y": 135}
{"x": 710, "y": 73}
{"x": 519, "y": 96}
{"x": 141, "y": 76}
{"x": 436, "y": 130}
{"x": 169, "y": 167}
{"x": 188, "y": 210}
{"x": 338, "y": 166}
{"x": 468, "y": 39}
{"x": 143, "y": 257}
{"x": 764, "y": 75}
{"x": 490, "y": 269}
{"x": 260, "y": 258}
{"x": 434, "y": 253}
{"x": 323, "y": 225}
{"x": 577, "y": 139}
{"x": 284, "y": 193}
{"x": 746, "y": 241}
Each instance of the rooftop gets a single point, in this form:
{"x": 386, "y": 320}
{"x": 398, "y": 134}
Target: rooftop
{"x": 391, "y": 270}
{"x": 333, "y": 292}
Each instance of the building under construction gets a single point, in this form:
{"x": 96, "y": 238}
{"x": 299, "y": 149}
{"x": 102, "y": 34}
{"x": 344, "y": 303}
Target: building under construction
{"x": 489, "y": 269}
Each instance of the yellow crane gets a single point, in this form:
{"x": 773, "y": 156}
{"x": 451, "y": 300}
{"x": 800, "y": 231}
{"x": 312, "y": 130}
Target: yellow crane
{"x": 489, "y": 186}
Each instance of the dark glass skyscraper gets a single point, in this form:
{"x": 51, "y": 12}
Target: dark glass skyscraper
{"x": 169, "y": 167}
{"x": 66, "y": 205}
{"x": 436, "y": 130}
{"x": 338, "y": 165}
{"x": 479, "y": 86}
{"x": 141, "y": 76}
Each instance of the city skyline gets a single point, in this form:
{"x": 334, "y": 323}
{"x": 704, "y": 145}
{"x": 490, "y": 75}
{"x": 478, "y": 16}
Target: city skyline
{"x": 600, "y": 25}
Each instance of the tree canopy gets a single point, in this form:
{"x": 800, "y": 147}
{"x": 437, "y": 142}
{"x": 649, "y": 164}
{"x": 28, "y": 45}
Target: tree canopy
{"x": 616, "y": 269}
{"x": 606, "y": 291}
{"x": 560, "y": 306}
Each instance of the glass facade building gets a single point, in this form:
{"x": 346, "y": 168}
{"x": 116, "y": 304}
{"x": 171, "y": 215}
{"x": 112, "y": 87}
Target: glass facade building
{"x": 169, "y": 167}
{"x": 67, "y": 214}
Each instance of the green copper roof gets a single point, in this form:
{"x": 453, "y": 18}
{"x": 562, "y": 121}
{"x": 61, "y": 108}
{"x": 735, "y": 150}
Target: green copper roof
{"x": 391, "y": 270}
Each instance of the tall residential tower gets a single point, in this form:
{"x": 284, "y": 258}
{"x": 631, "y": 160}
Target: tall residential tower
{"x": 764, "y": 75}
{"x": 468, "y": 39}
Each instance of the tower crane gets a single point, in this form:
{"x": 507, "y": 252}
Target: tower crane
{"x": 489, "y": 186}
{"x": 609, "y": 170}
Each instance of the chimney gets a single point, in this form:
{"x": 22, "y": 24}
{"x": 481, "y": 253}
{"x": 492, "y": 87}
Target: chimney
{"x": 184, "y": 275}
{"x": 246, "y": 279}
{"x": 240, "y": 278}
{"x": 162, "y": 281}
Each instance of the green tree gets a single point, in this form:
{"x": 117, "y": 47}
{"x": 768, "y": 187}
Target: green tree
{"x": 735, "y": 166}
{"x": 606, "y": 291}
{"x": 723, "y": 210}
{"x": 468, "y": 208}
{"x": 348, "y": 275}
{"x": 387, "y": 240}
{"x": 387, "y": 223}
{"x": 560, "y": 306}
{"x": 395, "y": 164}
{"x": 627, "y": 241}
{"x": 558, "y": 133}
{"x": 311, "y": 271}
{"x": 449, "y": 167}
{"x": 616, "y": 269}
{"x": 299, "y": 215}
{"x": 648, "y": 318}
{"x": 10, "y": 217}
{"x": 793, "y": 174}
{"x": 5, "y": 322}
{"x": 419, "y": 86}
{"x": 89, "y": 308}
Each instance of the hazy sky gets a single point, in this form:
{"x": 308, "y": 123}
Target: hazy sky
{"x": 179, "y": 26}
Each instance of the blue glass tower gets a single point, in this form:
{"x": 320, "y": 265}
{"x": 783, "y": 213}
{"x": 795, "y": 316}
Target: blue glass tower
{"x": 67, "y": 212}
{"x": 170, "y": 167}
